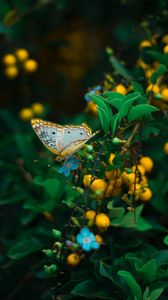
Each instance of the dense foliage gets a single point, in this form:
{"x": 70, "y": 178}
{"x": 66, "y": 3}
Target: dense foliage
{"x": 93, "y": 226}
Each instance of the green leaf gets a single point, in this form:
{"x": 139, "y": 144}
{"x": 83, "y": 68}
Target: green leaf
{"x": 92, "y": 289}
{"x": 137, "y": 87}
{"x": 23, "y": 248}
{"x": 116, "y": 102}
{"x": 166, "y": 240}
{"x": 160, "y": 71}
{"x": 120, "y": 69}
{"x": 104, "y": 111}
{"x": 106, "y": 271}
{"x": 134, "y": 287}
{"x": 140, "y": 110}
{"x": 155, "y": 294}
{"x": 162, "y": 58}
{"x": 52, "y": 185}
{"x": 148, "y": 271}
{"x": 114, "y": 95}
{"x": 146, "y": 294}
{"x": 127, "y": 105}
{"x": 114, "y": 124}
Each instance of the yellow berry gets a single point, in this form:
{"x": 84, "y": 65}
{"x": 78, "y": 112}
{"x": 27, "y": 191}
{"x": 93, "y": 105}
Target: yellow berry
{"x": 164, "y": 94}
{"x": 165, "y": 39}
{"x": 144, "y": 44}
{"x": 165, "y": 49}
{"x": 143, "y": 180}
{"x": 99, "y": 239}
{"x": 128, "y": 178}
{"x": 112, "y": 155}
{"x": 135, "y": 188}
{"x": 22, "y": 54}
{"x": 26, "y": 114}
{"x": 98, "y": 186}
{"x": 90, "y": 214}
{"x": 165, "y": 148}
{"x": 153, "y": 88}
{"x": 11, "y": 72}
{"x": 102, "y": 221}
{"x": 147, "y": 163}
{"x": 9, "y": 59}
{"x": 149, "y": 73}
{"x": 87, "y": 179}
{"x": 138, "y": 169}
{"x": 146, "y": 195}
{"x": 91, "y": 108}
{"x": 121, "y": 89}
{"x": 113, "y": 174}
{"x": 73, "y": 259}
{"x": 142, "y": 64}
{"x": 30, "y": 65}
{"x": 37, "y": 108}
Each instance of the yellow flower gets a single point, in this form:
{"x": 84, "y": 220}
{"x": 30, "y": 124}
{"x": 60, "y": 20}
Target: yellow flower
{"x": 11, "y": 72}
{"x": 121, "y": 89}
{"x": 165, "y": 49}
{"x": 149, "y": 73}
{"x": 165, "y": 148}
{"x": 22, "y": 54}
{"x": 9, "y": 59}
{"x": 73, "y": 259}
{"x": 90, "y": 214}
{"x": 30, "y": 65}
{"x": 37, "y": 108}
{"x": 142, "y": 64}
{"x": 102, "y": 221}
{"x": 135, "y": 188}
{"x": 164, "y": 94}
{"x": 145, "y": 43}
{"x": 147, "y": 163}
{"x": 146, "y": 195}
{"x": 26, "y": 114}
{"x": 153, "y": 88}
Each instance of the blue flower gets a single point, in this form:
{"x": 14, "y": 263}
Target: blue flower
{"x": 71, "y": 164}
{"x": 87, "y": 240}
{"x": 92, "y": 92}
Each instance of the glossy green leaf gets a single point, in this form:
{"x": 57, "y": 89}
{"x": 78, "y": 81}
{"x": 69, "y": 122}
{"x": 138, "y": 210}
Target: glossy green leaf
{"x": 155, "y": 294}
{"x": 166, "y": 240}
{"x": 148, "y": 270}
{"x": 104, "y": 111}
{"x": 140, "y": 110}
{"x": 137, "y": 87}
{"x": 24, "y": 247}
{"x": 92, "y": 290}
{"x": 130, "y": 99}
{"x": 134, "y": 287}
{"x": 114, "y": 124}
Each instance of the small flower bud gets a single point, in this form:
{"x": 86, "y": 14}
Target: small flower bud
{"x": 117, "y": 141}
{"x": 48, "y": 252}
{"x": 56, "y": 233}
{"x": 50, "y": 269}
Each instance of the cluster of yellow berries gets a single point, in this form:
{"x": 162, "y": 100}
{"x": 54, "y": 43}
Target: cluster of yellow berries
{"x": 136, "y": 181}
{"x": 159, "y": 88}
{"x": 27, "y": 113}
{"x": 20, "y": 59}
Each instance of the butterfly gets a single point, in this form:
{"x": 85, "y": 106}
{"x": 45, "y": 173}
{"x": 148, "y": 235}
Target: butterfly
{"x": 62, "y": 140}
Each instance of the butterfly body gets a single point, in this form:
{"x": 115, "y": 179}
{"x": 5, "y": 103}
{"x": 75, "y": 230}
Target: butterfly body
{"x": 62, "y": 140}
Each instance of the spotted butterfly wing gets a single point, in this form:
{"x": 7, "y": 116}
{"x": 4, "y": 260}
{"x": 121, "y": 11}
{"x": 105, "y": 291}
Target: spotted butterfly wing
{"x": 61, "y": 140}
